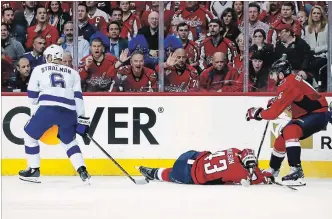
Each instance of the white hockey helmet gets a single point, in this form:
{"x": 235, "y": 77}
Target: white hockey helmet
{"x": 55, "y": 51}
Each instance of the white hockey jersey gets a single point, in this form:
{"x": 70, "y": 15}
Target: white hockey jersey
{"x": 56, "y": 85}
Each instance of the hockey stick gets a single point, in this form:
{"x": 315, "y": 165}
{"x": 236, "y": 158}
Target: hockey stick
{"x": 137, "y": 182}
{"x": 262, "y": 141}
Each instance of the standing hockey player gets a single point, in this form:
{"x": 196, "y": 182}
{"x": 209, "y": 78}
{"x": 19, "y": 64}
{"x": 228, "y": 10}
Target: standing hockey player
{"x": 231, "y": 166}
{"x": 57, "y": 90}
{"x": 309, "y": 115}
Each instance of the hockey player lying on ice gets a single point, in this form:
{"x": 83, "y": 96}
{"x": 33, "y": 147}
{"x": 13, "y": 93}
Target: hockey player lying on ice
{"x": 231, "y": 166}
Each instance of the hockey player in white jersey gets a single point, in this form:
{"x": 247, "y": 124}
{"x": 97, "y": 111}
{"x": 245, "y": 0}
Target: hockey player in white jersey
{"x": 56, "y": 89}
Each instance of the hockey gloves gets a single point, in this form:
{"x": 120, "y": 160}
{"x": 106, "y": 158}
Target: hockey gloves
{"x": 268, "y": 177}
{"x": 83, "y": 124}
{"x": 254, "y": 113}
{"x": 248, "y": 158}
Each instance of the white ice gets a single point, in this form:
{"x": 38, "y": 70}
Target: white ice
{"x": 119, "y": 198}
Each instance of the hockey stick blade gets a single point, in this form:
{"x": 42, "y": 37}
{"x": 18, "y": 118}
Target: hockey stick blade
{"x": 290, "y": 187}
{"x": 137, "y": 182}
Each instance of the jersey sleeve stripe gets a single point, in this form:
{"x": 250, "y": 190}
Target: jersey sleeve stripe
{"x": 46, "y": 97}
{"x": 32, "y": 94}
{"x": 78, "y": 94}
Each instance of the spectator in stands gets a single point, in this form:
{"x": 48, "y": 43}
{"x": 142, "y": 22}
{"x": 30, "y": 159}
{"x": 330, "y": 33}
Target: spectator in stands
{"x": 168, "y": 15}
{"x": 259, "y": 75}
{"x": 116, "y": 15}
{"x": 67, "y": 42}
{"x": 6, "y": 71}
{"x": 150, "y": 33}
{"x": 98, "y": 70}
{"x": 130, "y": 22}
{"x": 97, "y": 17}
{"x": 229, "y": 24}
{"x": 190, "y": 46}
{"x": 67, "y": 59}
{"x": 30, "y": 12}
{"x": 42, "y": 28}
{"x": 287, "y": 11}
{"x": 272, "y": 14}
{"x": 22, "y": 75}
{"x": 220, "y": 77}
{"x": 297, "y": 51}
{"x": 197, "y": 17}
{"x": 13, "y": 48}
{"x": 254, "y": 23}
{"x": 135, "y": 77}
{"x": 238, "y": 60}
{"x": 215, "y": 43}
{"x": 238, "y": 8}
{"x": 57, "y": 18}
{"x": 85, "y": 28}
{"x": 317, "y": 38}
{"x": 7, "y": 18}
{"x": 258, "y": 44}
{"x": 179, "y": 76}
{"x": 36, "y": 57}
{"x": 117, "y": 44}
{"x": 19, "y": 28}
{"x": 303, "y": 19}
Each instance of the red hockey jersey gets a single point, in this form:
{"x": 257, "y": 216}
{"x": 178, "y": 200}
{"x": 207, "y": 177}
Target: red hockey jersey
{"x": 100, "y": 75}
{"x": 207, "y": 50}
{"x": 222, "y": 167}
{"x": 295, "y": 92}
{"x": 192, "y": 52}
{"x": 126, "y": 81}
{"x": 130, "y": 27}
{"x": 176, "y": 81}
{"x": 50, "y": 33}
{"x": 197, "y": 20}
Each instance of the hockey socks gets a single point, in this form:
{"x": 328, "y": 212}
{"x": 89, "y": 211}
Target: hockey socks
{"x": 74, "y": 154}
{"x": 163, "y": 174}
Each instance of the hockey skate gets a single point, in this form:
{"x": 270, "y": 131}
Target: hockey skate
{"x": 294, "y": 178}
{"x": 149, "y": 173}
{"x": 84, "y": 174}
{"x": 30, "y": 175}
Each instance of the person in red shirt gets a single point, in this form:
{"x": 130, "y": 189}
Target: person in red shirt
{"x": 130, "y": 24}
{"x": 98, "y": 70}
{"x": 179, "y": 76}
{"x": 225, "y": 167}
{"x": 190, "y": 46}
{"x": 215, "y": 43}
{"x": 42, "y": 28}
{"x": 197, "y": 17}
{"x": 220, "y": 77}
{"x": 309, "y": 115}
{"x": 135, "y": 77}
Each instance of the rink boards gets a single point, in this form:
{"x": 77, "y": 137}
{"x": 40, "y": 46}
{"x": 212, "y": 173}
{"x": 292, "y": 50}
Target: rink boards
{"x": 154, "y": 130}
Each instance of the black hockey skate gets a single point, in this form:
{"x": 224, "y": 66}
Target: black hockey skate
{"x": 83, "y": 173}
{"x": 149, "y": 173}
{"x": 295, "y": 177}
{"x": 30, "y": 175}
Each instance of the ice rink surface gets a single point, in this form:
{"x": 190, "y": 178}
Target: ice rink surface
{"x": 119, "y": 198}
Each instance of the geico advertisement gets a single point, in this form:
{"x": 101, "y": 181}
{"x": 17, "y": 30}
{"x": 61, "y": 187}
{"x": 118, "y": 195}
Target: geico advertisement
{"x": 159, "y": 127}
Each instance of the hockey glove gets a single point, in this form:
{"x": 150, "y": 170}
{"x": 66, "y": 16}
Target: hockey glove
{"x": 269, "y": 178}
{"x": 254, "y": 113}
{"x": 83, "y": 124}
{"x": 248, "y": 158}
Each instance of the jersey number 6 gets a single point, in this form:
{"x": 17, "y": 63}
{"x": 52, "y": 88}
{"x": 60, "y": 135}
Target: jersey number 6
{"x": 57, "y": 80}
{"x": 218, "y": 167}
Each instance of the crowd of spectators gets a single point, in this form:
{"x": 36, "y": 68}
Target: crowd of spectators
{"x": 203, "y": 43}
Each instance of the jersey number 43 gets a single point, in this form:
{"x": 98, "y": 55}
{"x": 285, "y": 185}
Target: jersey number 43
{"x": 216, "y": 164}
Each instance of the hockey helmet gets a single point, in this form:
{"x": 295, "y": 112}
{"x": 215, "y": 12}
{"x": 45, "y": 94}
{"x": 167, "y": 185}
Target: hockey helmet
{"x": 55, "y": 51}
{"x": 281, "y": 65}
